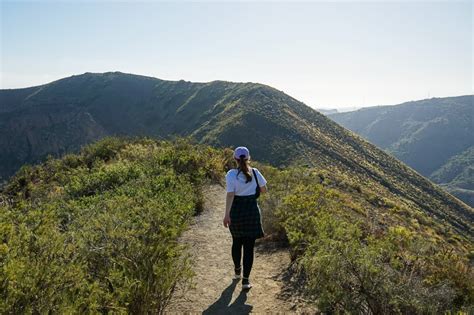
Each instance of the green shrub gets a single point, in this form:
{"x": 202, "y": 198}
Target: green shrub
{"x": 348, "y": 269}
{"x": 98, "y": 231}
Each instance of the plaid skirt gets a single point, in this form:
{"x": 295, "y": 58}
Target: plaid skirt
{"x": 245, "y": 217}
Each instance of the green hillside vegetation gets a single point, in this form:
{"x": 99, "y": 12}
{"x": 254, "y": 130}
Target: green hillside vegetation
{"x": 62, "y": 116}
{"x": 98, "y": 232}
{"x": 457, "y": 175}
{"x": 424, "y": 134}
{"x": 361, "y": 252}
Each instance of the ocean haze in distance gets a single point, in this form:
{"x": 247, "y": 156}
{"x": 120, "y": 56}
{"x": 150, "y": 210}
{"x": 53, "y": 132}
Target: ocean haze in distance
{"x": 334, "y": 55}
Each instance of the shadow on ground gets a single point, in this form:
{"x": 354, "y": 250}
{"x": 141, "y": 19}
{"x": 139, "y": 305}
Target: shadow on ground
{"x": 223, "y": 306}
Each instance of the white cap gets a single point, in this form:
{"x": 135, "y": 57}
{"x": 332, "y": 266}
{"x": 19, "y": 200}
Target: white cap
{"x": 241, "y": 152}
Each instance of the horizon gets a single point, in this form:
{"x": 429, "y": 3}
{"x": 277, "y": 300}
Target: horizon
{"x": 329, "y": 55}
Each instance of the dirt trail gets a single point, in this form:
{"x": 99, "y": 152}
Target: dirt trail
{"x": 215, "y": 291}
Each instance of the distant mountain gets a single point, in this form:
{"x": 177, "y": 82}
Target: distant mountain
{"x": 64, "y": 115}
{"x": 331, "y": 111}
{"x": 327, "y": 111}
{"x": 457, "y": 175}
{"x": 434, "y": 136}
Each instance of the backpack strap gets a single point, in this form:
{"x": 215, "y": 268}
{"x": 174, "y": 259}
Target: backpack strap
{"x": 255, "y": 175}
{"x": 257, "y": 189}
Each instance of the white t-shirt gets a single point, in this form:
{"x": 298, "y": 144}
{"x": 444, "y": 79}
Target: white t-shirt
{"x": 239, "y": 187}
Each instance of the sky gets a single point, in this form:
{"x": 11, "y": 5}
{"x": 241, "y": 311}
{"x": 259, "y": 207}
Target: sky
{"x": 326, "y": 54}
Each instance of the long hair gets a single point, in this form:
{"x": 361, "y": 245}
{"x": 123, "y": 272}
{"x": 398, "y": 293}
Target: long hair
{"x": 244, "y": 168}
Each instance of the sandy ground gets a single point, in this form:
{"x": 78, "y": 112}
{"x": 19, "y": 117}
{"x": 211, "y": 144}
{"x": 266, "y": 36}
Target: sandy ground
{"x": 215, "y": 292}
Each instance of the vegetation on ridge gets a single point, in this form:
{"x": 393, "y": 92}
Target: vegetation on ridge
{"x": 358, "y": 250}
{"x": 98, "y": 232}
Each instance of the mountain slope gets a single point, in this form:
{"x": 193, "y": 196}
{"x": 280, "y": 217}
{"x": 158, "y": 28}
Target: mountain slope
{"x": 424, "y": 134}
{"x": 457, "y": 175}
{"x": 65, "y": 114}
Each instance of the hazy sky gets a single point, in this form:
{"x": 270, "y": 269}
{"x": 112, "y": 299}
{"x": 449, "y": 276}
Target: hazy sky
{"x": 326, "y": 54}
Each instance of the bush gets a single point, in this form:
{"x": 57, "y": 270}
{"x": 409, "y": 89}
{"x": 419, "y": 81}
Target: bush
{"x": 348, "y": 266}
{"x": 98, "y": 231}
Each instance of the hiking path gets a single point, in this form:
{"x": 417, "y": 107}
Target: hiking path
{"x": 214, "y": 291}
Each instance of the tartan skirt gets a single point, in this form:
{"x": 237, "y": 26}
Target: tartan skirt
{"x": 245, "y": 217}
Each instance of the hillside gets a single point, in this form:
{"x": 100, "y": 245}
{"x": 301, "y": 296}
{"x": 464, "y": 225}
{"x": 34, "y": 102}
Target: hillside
{"x": 97, "y": 232}
{"x": 63, "y": 115}
{"x": 135, "y": 226}
{"x": 425, "y": 134}
{"x": 457, "y": 175}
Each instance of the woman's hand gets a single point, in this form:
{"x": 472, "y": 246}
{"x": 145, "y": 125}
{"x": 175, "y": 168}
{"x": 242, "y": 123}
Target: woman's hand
{"x": 226, "y": 221}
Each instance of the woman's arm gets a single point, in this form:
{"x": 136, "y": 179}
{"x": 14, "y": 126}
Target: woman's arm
{"x": 228, "y": 205}
{"x": 263, "y": 189}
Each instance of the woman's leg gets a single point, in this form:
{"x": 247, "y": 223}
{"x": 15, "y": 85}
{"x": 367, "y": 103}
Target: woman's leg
{"x": 249, "y": 244}
{"x": 236, "y": 252}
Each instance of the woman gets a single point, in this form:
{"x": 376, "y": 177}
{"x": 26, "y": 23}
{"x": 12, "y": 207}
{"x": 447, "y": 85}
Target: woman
{"x": 242, "y": 214}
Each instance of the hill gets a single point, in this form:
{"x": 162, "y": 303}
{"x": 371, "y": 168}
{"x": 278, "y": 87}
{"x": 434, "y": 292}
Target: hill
{"x": 100, "y": 231}
{"x": 63, "y": 115}
{"x": 424, "y": 134}
{"x": 457, "y": 175}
